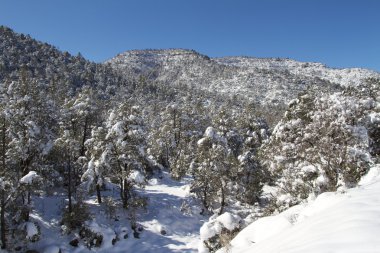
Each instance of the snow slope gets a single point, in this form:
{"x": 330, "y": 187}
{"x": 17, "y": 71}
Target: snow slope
{"x": 346, "y": 222}
{"x": 166, "y": 213}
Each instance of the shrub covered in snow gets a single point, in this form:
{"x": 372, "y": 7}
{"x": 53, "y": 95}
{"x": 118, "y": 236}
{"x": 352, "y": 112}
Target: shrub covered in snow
{"x": 29, "y": 178}
{"x": 76, "y": 218}
{"x": 218, "y": 232}
{"x": 322, "y": 144}
{"x": 95, "y": 235}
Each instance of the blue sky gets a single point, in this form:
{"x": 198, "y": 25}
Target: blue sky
{"x": 339, "y": 33}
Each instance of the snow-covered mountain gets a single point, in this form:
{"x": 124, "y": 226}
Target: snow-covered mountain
{"x": 263, "y": 81}
{"x": 344, "y": 77}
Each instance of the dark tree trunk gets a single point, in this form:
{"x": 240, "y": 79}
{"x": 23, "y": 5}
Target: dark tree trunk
{"x": 222, "y": 202}
{"x": 204, "y": 200}
{"x": 83, "y": 147}
{"x": 125, "y": 193}
{"x": 2, "y": 192}
{"x": 3, "y": 146}
{"x": 99, "y": 196}
{"x": 69, "y": 193}
{"x": 29, "y": 197}
{"x": 2, "y": 221}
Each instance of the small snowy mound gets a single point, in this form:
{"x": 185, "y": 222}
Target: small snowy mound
{"x": 29, "y": 178}
{"x": 334, "y": 222}
{"x": 108, "y": 234}
{"x": 31, "y": 230}
{"x": 215, "y": 227}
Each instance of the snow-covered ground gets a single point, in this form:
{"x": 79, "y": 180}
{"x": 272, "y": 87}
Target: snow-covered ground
{"x": 346, "y": 222}
{"x": 169, "y": 224}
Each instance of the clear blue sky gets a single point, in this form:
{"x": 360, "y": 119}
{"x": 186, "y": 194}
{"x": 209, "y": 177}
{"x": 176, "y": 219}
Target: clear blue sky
{"x": 339, "y": 33}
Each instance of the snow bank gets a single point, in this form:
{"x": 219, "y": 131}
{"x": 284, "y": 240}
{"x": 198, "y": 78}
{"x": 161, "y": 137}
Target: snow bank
{"x": 263, "y": 229}
{"x": 373, "y": 175}
{"x": 334, "y": 222}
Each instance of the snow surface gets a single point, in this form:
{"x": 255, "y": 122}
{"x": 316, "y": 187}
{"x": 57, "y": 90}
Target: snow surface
{"x": 171, "y": 222}
{"x": 346, "y": 222}
{"x": 334, "y": 222}
{"x": 31, "y": 230}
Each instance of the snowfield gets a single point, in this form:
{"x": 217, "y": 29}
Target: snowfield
{"x": 346, "y": 222}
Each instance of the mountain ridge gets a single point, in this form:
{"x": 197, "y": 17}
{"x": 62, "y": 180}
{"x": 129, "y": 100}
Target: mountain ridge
{"x": 263, "y": 81}
{"x": 260, "y": 80}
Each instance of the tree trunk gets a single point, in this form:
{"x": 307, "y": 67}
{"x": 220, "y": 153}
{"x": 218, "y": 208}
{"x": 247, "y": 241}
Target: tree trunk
{"x": 3, "y": 237}
{"x": 2, "y": 221}
{"x": 29, "y": 197}
{"x": 204, "y": 200}
{"x": 83, "y": 147}
{"x": 122, "y": 189}
{"x": 222, "y": 202}
{"x": 125, "y": 193}
{"x": 99, "y": 196}
{"x": 69, "y": 187}
{"x": 3, "y": 146}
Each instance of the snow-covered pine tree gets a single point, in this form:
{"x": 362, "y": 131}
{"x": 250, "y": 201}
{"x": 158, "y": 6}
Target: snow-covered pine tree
{"x": 320, "y": 145}
{"x": 213, "y": 170}
{"x": 29, "y": 126}
{"x": 16, "y": 184}
{"x": 118, "y": 151}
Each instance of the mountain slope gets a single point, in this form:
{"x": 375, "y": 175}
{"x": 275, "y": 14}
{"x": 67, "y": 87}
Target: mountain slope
{"x": 22, "y": 56}
{"x": 344, "y": 77}
{"x": 263, "y": 81}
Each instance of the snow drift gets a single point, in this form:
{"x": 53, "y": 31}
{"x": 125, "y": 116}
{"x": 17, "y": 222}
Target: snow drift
{"x": 346, "y": 222}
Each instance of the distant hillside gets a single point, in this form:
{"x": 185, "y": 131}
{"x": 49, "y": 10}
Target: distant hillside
{"x": 263, "y": 81}
{"x": 45, "y": 63}
{"x": 344, "y": 77}
{"x": 269, "y": 81}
